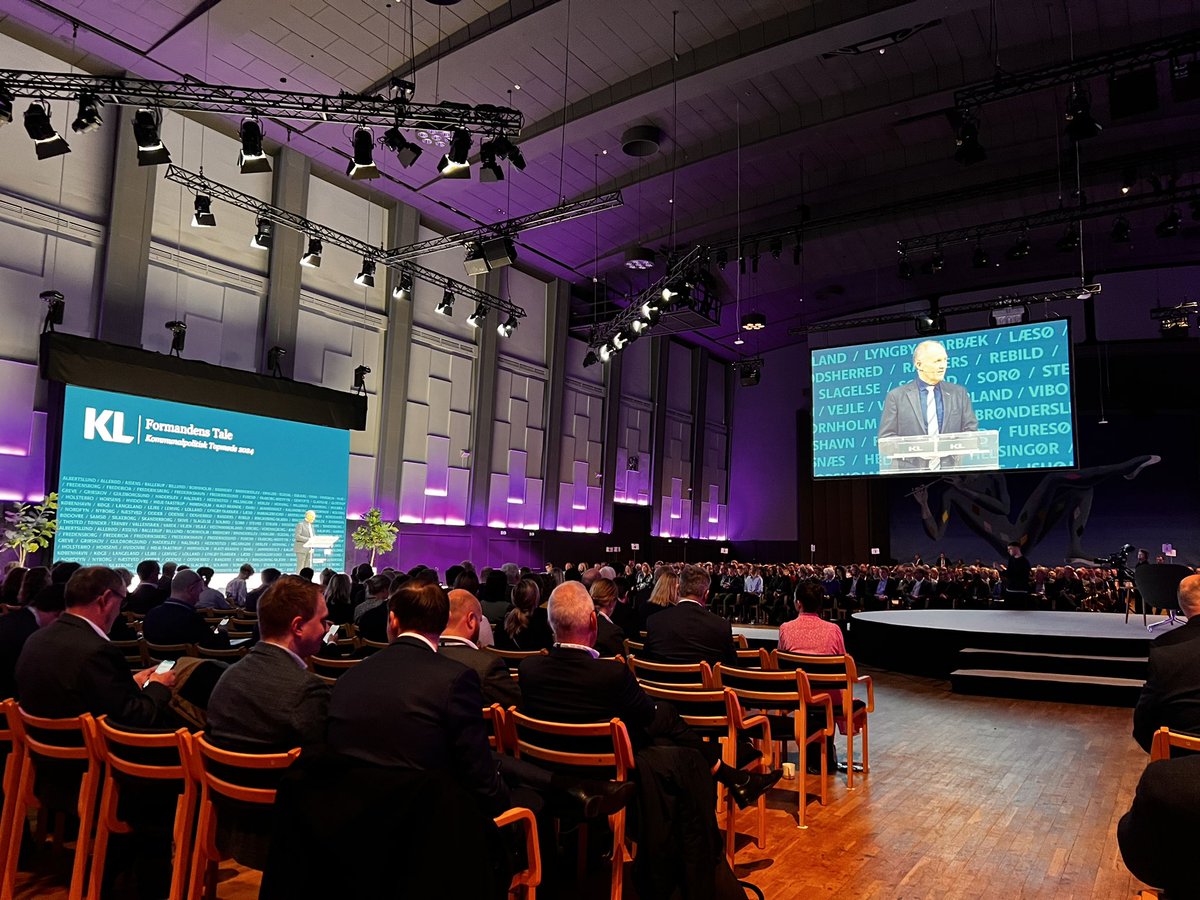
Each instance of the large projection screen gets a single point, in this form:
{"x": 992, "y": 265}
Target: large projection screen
{"x": 141, "y": 478}
{"x": 1001, "y": 400}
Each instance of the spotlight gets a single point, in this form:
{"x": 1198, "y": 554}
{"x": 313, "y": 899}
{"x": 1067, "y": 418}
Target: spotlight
{"x": 457, "y": 161}
{"x": 936, "y": 263}
{"x": 619, "y": 340}
{"x": 55, "y": 306}
{"x": 1080, "y": 124}
{"x": 652, "y": 307}
{"x": 980, "y": 259}
{"x": 930, "y": 323}
{"x": 590, "y": 359}
{"x": 178, "y": 336}
{"x": 750, "y": 372}
{"x": 1169, "y": 226}
{"x": 264, "y": 235}
{"x": 503, "y": 148}
{"x": 605, "y": 353}
{"x": 1173, "y": 321}
{"x": 446, "y": 307}
{"x": 203, "y": 216}
{"x": 1128, "y": 179}
{"x": 478, "y": 317}
{"x": 1020, "y": 249}
{"x": 46, "y": 141}
{"x": 407, "y": 152}
{"x": 489, "y": 170}
{"x": 6, "y": 105}
{"x": 968, "y": 150}
{"x": 151, "y": 150}
{"x": 88, "y": 118}
{"x": 722, "y": 259}
{"x": 642, "y": 258}
{"x": 360, "y": 379}
{"x": 274, "y": 361}
{"x": 312, "y": 259}
{"x": 506, "y": 328}
{"x": 776, "y": 247}
{"x": 638, "y": 326}
{"x": 251, "y": 158}
{"x": 754, "y": 321}
{"x": 366, "y": 277}
{"x": 362, "y": 165}
{"x": 676, "y": 292}
{"x": 904, "y": 269}
{"x": 1122, "y": 231}
{"x": 404, "y": 285}
{"x": 1069, "y": 242}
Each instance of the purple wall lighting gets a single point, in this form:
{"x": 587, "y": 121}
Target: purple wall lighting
{"x": 632, "y": 486}
{"x": 713, "y": 515}
{"x": 514, "y": 500}
{"x": 676, "y": 519}
{"x": 434, "y": 492}
{"x": 22, "y": 434}
{"x": 580, "y": 485}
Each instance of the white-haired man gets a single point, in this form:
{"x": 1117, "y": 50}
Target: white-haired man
{"x": 304, "y": 533}
{"x": 927, "y": 405}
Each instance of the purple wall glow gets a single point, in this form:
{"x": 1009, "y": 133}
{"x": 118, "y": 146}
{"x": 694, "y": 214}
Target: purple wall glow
{"x": 22, "y": 434}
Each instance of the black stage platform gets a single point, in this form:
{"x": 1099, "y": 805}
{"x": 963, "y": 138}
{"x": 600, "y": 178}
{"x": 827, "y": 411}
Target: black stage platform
{"x": 1090, "y": 657}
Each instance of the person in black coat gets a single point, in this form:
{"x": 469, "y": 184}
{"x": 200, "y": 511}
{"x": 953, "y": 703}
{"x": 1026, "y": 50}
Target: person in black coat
{"x": 177, "y": 622}
{"x": 460, "y": 642}
{"x": 1165, "y": 809}
{"x": 147, "y": 594}
{"x": 610, "y": 638}
{"x": 687, "y": 632}
{"x": 19, "y": 625}
{"x": 1171, "y": 695}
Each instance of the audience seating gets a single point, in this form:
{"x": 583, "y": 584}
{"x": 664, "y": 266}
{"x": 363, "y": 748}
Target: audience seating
{"x": 838, "y": 675}
{"x": 370, "y": 646}
{"x": 1164, "y": 739}
{"x": 230, "y": 653}
{"x": 128, "y": 754}
{"x": 542, "y": 741}
{"x": 156, "y": 653}
{"x": 134, "y": 651}
{"x": 33, "y": 739}
{"x": 634, "y": 647}
{"x": 679, "y": 676}
{"x": 201, "y": 757}
{"x": 12, "y": 772}
{"x": 755, "y": 659}
{"x": 784, "y": 696}
{"x": 510, "y": 656}
{"x": 494, "y": 718}
{"x": 331, "y": 668}
{"x": 526, "y": 881}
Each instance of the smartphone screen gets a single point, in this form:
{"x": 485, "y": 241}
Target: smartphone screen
{"x": 331, "y": 634}
{"x": 165, "y": 666}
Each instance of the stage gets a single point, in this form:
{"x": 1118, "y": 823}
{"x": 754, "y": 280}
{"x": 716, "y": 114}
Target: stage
{"x": 1096, "y": 657}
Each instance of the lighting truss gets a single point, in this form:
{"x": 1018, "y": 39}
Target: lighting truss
{"x": 1058, "y": 216}
{"x": 553, "y": 216}
{"x": 1004, "y": 301}
{"x": 1016, "y": 84}
{"x": 202, "y": 185}
{"x": 1168, "y": 313}
{"x": 602, "y": 333}
{"x": 353, "y": 109}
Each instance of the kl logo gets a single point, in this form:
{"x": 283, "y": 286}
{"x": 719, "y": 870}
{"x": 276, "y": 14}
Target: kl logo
{"x": 96, "y": 424}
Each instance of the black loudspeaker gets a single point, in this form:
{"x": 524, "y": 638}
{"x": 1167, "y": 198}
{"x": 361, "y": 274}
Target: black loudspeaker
{"x": 750, "y": 375}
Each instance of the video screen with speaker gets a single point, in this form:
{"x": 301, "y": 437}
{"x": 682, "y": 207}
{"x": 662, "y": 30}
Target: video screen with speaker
{"x": 996, "y": 399}
{"x": 141, "y": 478}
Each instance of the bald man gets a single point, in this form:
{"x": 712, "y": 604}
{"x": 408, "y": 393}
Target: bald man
{"x": 928, "y": 404}
{"x": 176, "y": 621}
{"x": 460, "y": 642}
{"x": 1171, "y": 695}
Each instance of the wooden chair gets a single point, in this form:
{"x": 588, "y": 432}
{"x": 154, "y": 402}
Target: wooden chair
{"x": 679, "y": 676}
{"x": 156, "y": 653}
{"x": 785, "y": 695}
{"x": 632, "y": 648}
{"x": 134, "y": 652}
{"x": 201, "y": 755}
{"x": 755, "y": 659}
{"x": 740, "y": 642}
{"x": 127, "y": 753}
{"x": 717, "y": 714}
{"x": 494, "y": 718}
{"x": 12, "y": 772}
{"x": 230, "y": 653}
{"x": 333, "y": 668}
{"x": 1164, "y": 739}
{"x": 515, "y": 656}
{"x": 371, "y": 646}
{"x": 243, "y": 621}
{"x": 525, "y": 882}
{"x": 838, "y": 676}
{"x": 32, "y": 735}
{"x": 543, "y": 741}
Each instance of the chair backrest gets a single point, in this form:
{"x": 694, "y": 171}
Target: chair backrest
{"x": 1159, "y": 584}
{"x": 78, "y": 733}
{"x": 833, "y": 672}
{"x": 740, "y": 642}
{"x": 134, "y": 652}
{"x": 221, "y": 653}
{"x": 202, "y": 756}
{"x": 1164, "y": 739}
{"x": 634, "y": 647}
{"x": 680, "y": 676}
{"x": 517, "y": 655}
{"x": 760, "y": 689}
{"x": 333, "y": 668}
{"x": 759, "y": 658}
{"x": 156, "y": 653}
{"x": 571, "y": 745}
{"x": 123, "y": 751}
{"x": 494, "y": 721}
{"x": 371, "y": 646}
{"x": 702, "y": 709}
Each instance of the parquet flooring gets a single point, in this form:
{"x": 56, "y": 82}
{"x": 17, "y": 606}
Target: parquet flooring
{"x": 968, "y": 797}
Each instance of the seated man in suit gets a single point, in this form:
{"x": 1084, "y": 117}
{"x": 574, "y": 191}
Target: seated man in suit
{"x": 268, "y": 701}
{"x": 69, "y": 667}
{"x": 460, "y": 642}
{"x": 1171, "y": 695}
{"x": 177, "y": 622}
{"x": 1166, "y": 808}
{"x": 147, "y": 594}
{"x": 268, "y": 577}
{"x": 17, "y": 626}
{"x": 687, "y": 632}
{"x": 610, "y": 638}
{"x": 572, "y": 684}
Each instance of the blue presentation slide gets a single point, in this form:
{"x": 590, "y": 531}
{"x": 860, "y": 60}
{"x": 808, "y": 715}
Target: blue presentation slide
{"x": 1005, "y": 389}
{"x": 150, "y": 479}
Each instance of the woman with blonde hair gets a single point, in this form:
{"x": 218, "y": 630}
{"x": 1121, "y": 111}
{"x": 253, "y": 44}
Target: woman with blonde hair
{"x": 665, "y": 593}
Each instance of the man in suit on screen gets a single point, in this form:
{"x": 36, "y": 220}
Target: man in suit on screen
{"x": 927, "y": 405}
{"x": 304, "y": 531}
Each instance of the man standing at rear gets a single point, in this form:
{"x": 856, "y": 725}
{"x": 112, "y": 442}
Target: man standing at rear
{"x": 1016, "y": 579}
{"x": 304, "y": 533}
{"x": 687, "y": 632}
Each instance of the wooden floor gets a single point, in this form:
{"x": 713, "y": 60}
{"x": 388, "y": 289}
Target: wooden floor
{"x": 967, "y": 797}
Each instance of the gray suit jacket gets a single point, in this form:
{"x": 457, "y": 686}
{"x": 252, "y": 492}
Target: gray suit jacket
{"x": 304, "y": 531}
{"x": 904, "y": 411}
{"x": 498, "y": 685}
{"x": 266, "y": 703}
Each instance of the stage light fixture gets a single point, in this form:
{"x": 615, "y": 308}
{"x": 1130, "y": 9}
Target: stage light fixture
{"x": 360, "y": 379}
{"x": 489, "y": 170}
{"x": 366, "y": 276}
{"x": 6, "y": 105}
{"x": 251, "y": 158}
{"x": 754, "y": 321}
{"x": 651, "y": 307}
{"x": 263, "y": 235}
{"x": 503, "y": 148}
{"x": 590, "y": 359}
{"x": 275, "y": 361}
{"x": 202, "y": 215}
{"x": 1172, "y": 324}
{"x": 55, "y": 307}
{"x": 88, "y": 118}
{"x": 1122, "y": 231}
{"x": 362, "y": 164}
{"x": 1009, "y": 315}
{"x": 1080, "y": 124}
{"x": 776, "y": 247}
{"x": 1128, "y": 179}
{"x": 968, "y": 150}
{"x": 312, "y": 258}
{"x": 676, "y": 292}
{"x": 904, "y": 268}
{"x": 722, "y": 259}
{"x": 750, "y": 373}
{"x": 980, "y": 258}
{"x": 1069, "y": 242}
{"x": 935, "y": 263}
{"x": 930, "y": 323}
{"x": 619, "y": 340}
{"x": 637, "y": 326}
{"x": 1020, "y": 249}
{"x": 406, "y": 151}
{"x": 46, "y": 141}
{"x": 477, "y": 318}
{"x": 641, "y": 258}
{"x": 1169, "y": 226}
{"x": 446, "y": 307}
{"x": 506, "y": 328}
{"x": 404, "y": 286}
{"x": 605, "y": 353}
{"x": 457, "y": 161}
{"x": 178, "y": 336}
{"x": 151, "y": 151}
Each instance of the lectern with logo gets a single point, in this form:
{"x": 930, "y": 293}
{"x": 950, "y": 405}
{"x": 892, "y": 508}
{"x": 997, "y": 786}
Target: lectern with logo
{"x": 951, "y": 451}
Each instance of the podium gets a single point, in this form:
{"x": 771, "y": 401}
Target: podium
{"x": 957, "y": 451}
{"x": 320, "y": 545}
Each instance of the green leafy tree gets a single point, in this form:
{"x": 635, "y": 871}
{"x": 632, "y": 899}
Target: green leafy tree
{"x": 30, "y": 528}
{"x": 374, "y": 534}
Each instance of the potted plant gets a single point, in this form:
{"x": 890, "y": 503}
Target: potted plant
{"x": 30, "y": 528}
{"x": 375, "y": 534}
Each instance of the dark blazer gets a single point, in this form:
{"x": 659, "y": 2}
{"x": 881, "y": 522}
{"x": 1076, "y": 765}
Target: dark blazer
{"x": 536, "y": 636}
{"x": 266, "y": 703}
{"x": 1166, "y": 808}
{"x": 144, "y": 598}
{"x": 1184, "y": 633}
{"x": 497, "y": 684}
{"x": 406, "y": 706}
{"x": 372, "y": 624}
{"x": 688, "y": 633}
{"x": 67, "y": 669}
{"x": 15, "y": 629}
{"x": 1171, "y": 695}
{"x": 610, "y": 638}
{"x": 178, "y": 623}
{"x": 904, "y": 411}
{"x": 625, "y": 617}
